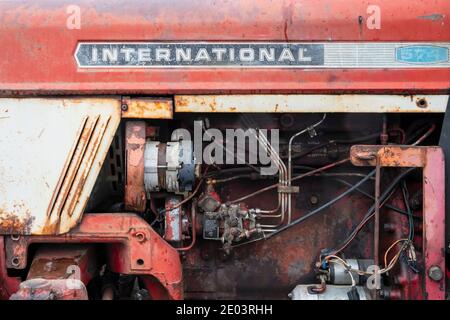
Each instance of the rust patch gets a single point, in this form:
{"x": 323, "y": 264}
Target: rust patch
{"x": 134, "y": 145}
{"x": 145, "y": 108}
{"x": 12, "y": 223}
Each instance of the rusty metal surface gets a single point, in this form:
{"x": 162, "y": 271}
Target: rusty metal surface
{"x": 147, "y": 108}
{"x": 173, "y": 220}
{"x": 431, "y": 159}
{"x": 405, "y": 284}
{"x": 282, "y": 103}
{"x": 29, "y": 28}
{"x": 52, "y": 152}
{"x": 135, "y": 135}
{"x": 50, "y": 262}
{"x": 270, "y": 269}
{"x": 8, "y": 285}
{"x": 133, "y": 248}
{"x": 391, "y": 156}
{"x": 50, "y": 289}
{"x": 59, "y": 273}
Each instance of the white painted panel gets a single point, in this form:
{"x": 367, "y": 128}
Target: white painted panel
{"x": 41, "y": 157}
{"x": 307, "y": 103}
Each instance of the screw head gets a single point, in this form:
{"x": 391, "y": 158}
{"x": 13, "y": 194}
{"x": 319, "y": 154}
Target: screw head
{"x": 124, "y": 107}
{"x": 435, "y": 273}
{"x": 313, "y": 199}
{"x": 140, "y": 236}
{"x": 15, "y": 261}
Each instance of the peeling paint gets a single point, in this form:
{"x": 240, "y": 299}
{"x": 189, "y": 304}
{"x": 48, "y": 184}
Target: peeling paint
{"x": 148, "y": 108}
{"x": 66, "y": 137}
{"x": 432, "y": 17}
{"x": 304, "y": 103}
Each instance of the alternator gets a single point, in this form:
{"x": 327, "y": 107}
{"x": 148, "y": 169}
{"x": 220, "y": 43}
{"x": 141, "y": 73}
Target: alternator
{"x": 169, "y": 166}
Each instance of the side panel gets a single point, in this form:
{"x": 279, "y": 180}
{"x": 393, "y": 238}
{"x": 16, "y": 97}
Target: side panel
{"x": 51, "y": 153}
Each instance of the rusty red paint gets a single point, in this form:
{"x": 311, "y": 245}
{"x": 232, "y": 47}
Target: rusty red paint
{"x": 50, "y": 262}
{"x": 431, "y": 159}
{"x": 135, "y": 135}
{"x": 406, "y": 285}
{"x": 52, "y": 267}
{"x": 49, "y": 289}
{"x": 173, "y": 222}
{"x": 8, "y": 285}
{"x": 38, "y": 47}
{"x": 134, "y": 248}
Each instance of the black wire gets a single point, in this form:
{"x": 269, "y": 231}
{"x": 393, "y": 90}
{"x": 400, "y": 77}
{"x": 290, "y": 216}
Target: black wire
{"x": 408, "y": 209}
{"x": 392, "y": 207}
{"x": 384, "y": 196}
{"x": 387, "y": 205}
{"x": 324, "y": 206}
{"x": 337, "y": 141}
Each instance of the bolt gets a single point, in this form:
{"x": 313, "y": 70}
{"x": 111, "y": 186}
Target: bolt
{"x": 314, "y": 199}
{"x": 124, "y": 107}
{"x": 15, "y": 237}
{"x": 422, "y": 103}
{"x": 140, "y": 236}
{"x": 366, "y": 155}
{"x": 389, "y": 227}
{"x": 435, "y": 273}
{"x": 15, "y": 261}
{"x": 360, "y": 19}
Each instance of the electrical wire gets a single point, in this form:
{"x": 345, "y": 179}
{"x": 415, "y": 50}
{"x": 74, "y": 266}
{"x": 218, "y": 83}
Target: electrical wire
{"x": 324, "y": 206}
{"x": 389, "y": 191}
{"x": 389, "y": 206}
{"x": 196, "y": 190}
{"x": 332, "y": 258}
{"x": 307, "y": 174}
{"x": 337, "y": 141}
{"x": 408, "y": 209}
{"x": 386, "y": 265}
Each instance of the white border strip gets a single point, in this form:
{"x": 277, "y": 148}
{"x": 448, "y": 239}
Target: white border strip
{"x": 305, "y": 103}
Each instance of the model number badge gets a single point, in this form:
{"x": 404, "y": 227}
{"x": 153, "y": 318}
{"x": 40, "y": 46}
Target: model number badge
{"x": 422, "y": 54}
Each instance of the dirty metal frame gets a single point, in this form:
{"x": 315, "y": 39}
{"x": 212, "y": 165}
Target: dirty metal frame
{"x": 431, "y": 160}
{"x": 135, "y": 198}
{"x": 59, "y": 273}
{"x": 136, "y": 249}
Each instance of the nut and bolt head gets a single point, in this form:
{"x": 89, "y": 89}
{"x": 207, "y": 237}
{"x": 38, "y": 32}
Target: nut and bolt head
{"x": 313, "y": 199}
{"x": 140, "y": 236}
{"x": 435, "y": 273}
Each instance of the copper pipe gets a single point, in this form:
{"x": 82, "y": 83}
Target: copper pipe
{"x": 193, "y": 218}
{"x": 304, "y": 175}
{"x": 425, "y": 135}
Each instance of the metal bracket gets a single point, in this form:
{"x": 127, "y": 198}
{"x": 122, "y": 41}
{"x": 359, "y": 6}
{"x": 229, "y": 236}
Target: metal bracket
{"x": 288, "y": 189}
{"x": 431, "y": 159}
{"x": 135, "y": 248}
